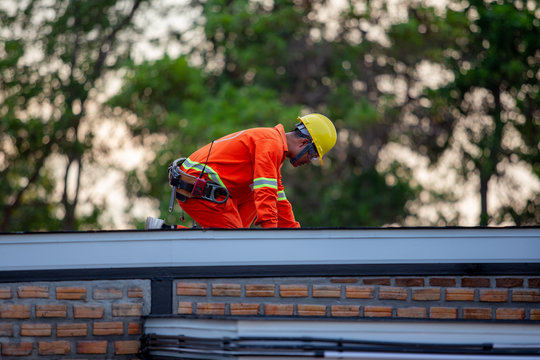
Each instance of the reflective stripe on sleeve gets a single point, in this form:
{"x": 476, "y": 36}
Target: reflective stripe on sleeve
{"x": 264, "y": 182}
{"x": 281, "y": 195}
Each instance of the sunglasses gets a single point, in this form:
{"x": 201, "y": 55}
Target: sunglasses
{"x": 312, "y": 152}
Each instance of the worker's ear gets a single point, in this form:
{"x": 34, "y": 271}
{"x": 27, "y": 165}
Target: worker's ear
{"x": 304, "y": 141}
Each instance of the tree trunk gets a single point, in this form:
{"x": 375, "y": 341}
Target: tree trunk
{"x": 70, "y": 205}
{"x": 489, "y": 161}
{"x": 484, "y": 217}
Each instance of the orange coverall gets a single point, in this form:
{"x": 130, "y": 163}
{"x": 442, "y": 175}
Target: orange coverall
{"x": 248, "y": 163}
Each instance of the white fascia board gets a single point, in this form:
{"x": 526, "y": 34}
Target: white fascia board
{"x": 125, "y": 249}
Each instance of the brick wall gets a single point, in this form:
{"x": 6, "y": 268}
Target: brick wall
{"x": 429, "y": 298}
{"x": 83, "y": 319}
{"x": 102, "y": 319}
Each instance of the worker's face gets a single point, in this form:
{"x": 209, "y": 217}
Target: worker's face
{"x": 310, "y": 155}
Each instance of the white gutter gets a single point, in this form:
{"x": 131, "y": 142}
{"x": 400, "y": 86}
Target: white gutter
{"x": 121, "y": 249}
{"x": 433, "y": 332}
{"x": 379, "y": 339}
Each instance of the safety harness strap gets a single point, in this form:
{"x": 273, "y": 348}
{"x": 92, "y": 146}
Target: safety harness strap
{"x": 187, "y": 186}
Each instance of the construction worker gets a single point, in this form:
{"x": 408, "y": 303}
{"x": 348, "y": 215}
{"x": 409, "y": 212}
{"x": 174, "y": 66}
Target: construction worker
{"x": 246, "y": 168}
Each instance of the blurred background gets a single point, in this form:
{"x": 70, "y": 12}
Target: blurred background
{"x": 436, "y": 103}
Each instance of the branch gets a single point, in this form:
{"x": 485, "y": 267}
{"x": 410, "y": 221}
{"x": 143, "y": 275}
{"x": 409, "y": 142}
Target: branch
{"x": 109, "y": 40}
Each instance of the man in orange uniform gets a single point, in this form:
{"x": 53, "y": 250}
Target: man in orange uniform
{"x": 248, "y": 165}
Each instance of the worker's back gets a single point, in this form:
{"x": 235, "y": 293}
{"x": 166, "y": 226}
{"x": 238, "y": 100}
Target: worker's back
{"x": 234, "y": 159}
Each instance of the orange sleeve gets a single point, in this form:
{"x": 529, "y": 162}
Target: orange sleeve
{"x": 267, "y": 159}
{"x": 285, "y": 212}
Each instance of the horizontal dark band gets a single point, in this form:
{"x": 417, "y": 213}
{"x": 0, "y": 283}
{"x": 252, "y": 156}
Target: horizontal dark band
{"x": 456, "y": 269}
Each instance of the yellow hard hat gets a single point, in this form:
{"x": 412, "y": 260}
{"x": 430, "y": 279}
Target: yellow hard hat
{"x": 322, "y": 132}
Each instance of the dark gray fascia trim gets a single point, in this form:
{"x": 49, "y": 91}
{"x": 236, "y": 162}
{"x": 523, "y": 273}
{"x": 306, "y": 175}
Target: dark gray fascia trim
{"x": 191, "y": 272}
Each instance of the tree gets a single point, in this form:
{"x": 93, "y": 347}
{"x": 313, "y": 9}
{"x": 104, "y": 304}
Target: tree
{"x": 54, "y": 56}
{"x": 490, "y": 110}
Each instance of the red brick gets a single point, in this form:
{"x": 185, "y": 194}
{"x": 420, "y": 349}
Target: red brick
{"x": 407, "y": 282}
{"x": 33, "y": 292}
{"x": 509, "y": 314}
{"x": 438, "y": 312}
{"x": 474, "y": 282}
{"x": 5, "y": 293}
{"x": 533, "y": 283}
{"x": 345, "y": 310}
{"x": 51, "y": 311}
{"x": 359, "y": 292}
{"x": 311, "y": 310}
{"x": 211, "y": 309}
{"x": 489, "y": 295}
{"x": 296, "y": 291}
{"x": 108, "y": 294}
{"x": 36, "y": 330}
{"x": 134, "y": 328}
{"x": 426, "y": 294}
{"x": 6, "y": 330}
{"x": 535, "y": 314}
{"x": 377, "y": 281}
{"x": 54, "y": 348}
{"x": 92, "y": 347}
{"x": 326, "y": 291}
{"x": 185, "y": 307}
{"x": 412, "y": 312}
{"x": 509, "y": 282}
{"x": 443, "y": 282}
{"x": 525, "y": 295}
{"x": 278, "y": 309}
{"x": 260, "y": 290}
{"x": 88, "y": 312}
{"x": 126, "y": 347}
{"x": 14, "y": 311}
{"x": 245, "y": 309}
{"x": 18, "y": 349}
{"x": 135, "y": 293}
{"x": 392, "y": 293}
{"x": 378, "y": 311}
{"x": 70, "y": 293}
{"x": 71, "y": 329}
{"x": 477, "y": 313}
{"x": 127, "y": 309}
{"x": 108, "y": 328}
{"x": 457, "y": 294}
{"x": 344, "y": 281}
{"x": 226, "y": 290}
{"x": 190, "y": 289}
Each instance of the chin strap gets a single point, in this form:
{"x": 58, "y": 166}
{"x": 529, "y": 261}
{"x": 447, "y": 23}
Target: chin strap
{"x": 300, "y": 154}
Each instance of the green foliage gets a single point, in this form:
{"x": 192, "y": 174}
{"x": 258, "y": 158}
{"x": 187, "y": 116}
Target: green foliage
{"x": 262, "y": 63}
{"x": 496, "y": 61}
{"x": 365, "y": 198}
{"x": 146, "y": 94}
{"x": 52, "y": 55}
